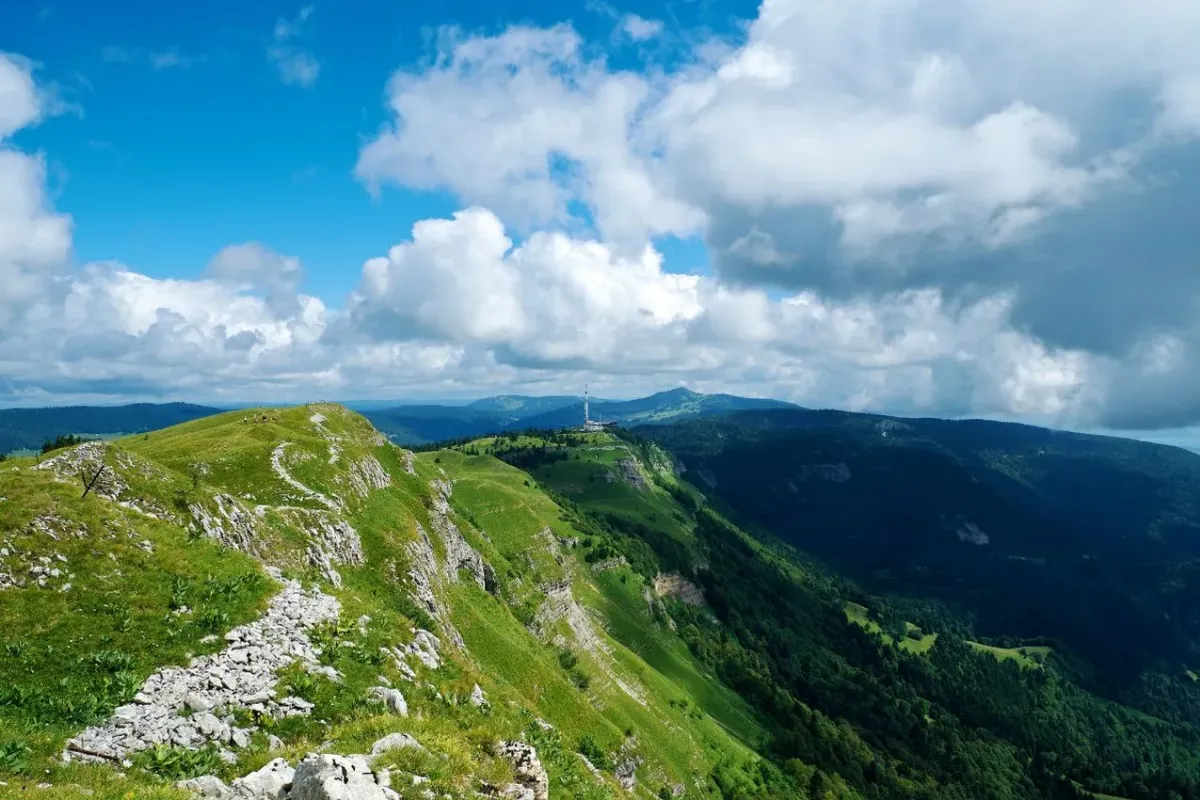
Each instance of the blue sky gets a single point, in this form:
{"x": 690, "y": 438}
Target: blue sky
{"x": 164, "y": 165}
{"x": 918, "y": 208}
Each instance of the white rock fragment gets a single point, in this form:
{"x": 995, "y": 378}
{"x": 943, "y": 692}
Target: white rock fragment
{"x": 395, "y": 741}
{"x": 392, "y": 698}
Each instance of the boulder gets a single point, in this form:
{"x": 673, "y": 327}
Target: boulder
{"x": 477, "y": 698}
{"x": 331, "y": 777}
{"x": 269, "y": 783}
{"x": 206, "y": 786}
{"x": 395, "y": 741}
{"x": 390, "y": 697}
{"x": 527, "y": 768}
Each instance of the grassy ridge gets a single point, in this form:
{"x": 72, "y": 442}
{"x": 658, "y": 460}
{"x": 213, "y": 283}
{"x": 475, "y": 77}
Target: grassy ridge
{"x": 122, "y": 618}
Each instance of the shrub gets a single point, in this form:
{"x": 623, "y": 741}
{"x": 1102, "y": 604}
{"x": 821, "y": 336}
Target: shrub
{"x": 594, "y": 753}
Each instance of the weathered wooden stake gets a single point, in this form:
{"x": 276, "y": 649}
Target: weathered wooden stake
{"x": 90, "y": 484}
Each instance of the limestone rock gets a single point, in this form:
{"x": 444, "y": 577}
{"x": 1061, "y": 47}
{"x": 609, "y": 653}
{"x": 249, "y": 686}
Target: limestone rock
{"x": 206, "y": 786}
{"x": 477, "y": 697}
{"x": 527, "y": 768}
{"x": 395, "y": 741}
{"x": 425, "y": 575}
{"x": 631, "y": 471}
{"x": 424, "y": 647}
{"x": 675, "y": 585}
{"x": 331, "y": 777}
{"x": 627, "y": 764}
{"x": 272, "y": 782}
{"x": 392, "y": 698}
{"x": 233, "y": 525}
{"x": 247, "y": 669}
{"x": 368, "y": 474}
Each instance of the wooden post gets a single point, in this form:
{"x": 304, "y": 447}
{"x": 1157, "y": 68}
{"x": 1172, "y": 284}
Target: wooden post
{"x": 89, "y": 484}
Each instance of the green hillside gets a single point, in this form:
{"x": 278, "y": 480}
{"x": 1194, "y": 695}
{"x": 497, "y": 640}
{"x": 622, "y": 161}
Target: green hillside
{"x": 1090, "y": 541}
{"x": 555, "y": 615}
{"x": 192, "y": 531}
{"x": 895, "y": 697}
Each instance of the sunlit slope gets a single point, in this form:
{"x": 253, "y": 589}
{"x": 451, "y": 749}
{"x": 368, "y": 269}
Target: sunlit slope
{"x": 191, "y": 531}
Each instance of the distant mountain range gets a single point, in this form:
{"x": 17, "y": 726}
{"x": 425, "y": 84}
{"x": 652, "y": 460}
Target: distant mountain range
{"x": 28, "y": 428}
{"x": 415, "y": 425}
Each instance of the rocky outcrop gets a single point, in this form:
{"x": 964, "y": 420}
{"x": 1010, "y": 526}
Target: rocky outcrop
{"x": 206, "y": 786}
{"x": 672, "y": 584}
{"x": 459, "y": 553}
{"x": 367, "y": 474}
{"x": 627, "y": 763}
{"x": 423, "y": 649}
{"x": 232, "y": 524}
{"x": 441, "y": 495}
{"x": 87, "y": 460}
{"x": 319, "y": 776}
{"x": 243, "y": 675}
{"x": 527, "y": 768}
{"x": 425, "y": 575}
{"x": 331, "y": 777}
{"x": 280, "y": 470}
{"x": 23, "y": 568}
{"x": 424, "y": 571}
{"x": 631, "y": 471}
{"x": 616, "y": 562}
{"x": 330, "y": 541}
{"x": 429, "y": 575}
{"x": 560, "y": 603}
{"x": 53, "y": 526}
{"x": 90, "y": 464}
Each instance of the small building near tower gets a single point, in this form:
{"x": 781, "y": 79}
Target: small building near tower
{"x": 592, "y": 425}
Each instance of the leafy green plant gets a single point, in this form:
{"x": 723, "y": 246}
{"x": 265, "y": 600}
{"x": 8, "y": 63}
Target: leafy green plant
{"x": 179, "y": 593}
{"x": 213, "y": 620}
{"x": 299, "y": 682}
{"x": 176, "y": 763}
{"x": 112, "y": 660}
{"x": 14, "y": 756}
